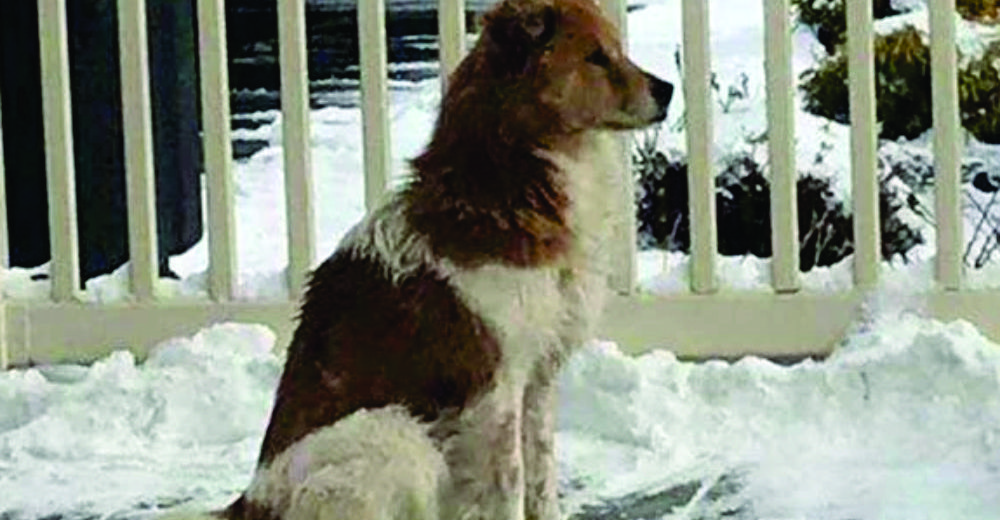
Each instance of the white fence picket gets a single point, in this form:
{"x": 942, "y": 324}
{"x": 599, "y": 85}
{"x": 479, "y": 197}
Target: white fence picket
{"x": 137, "y": 127}
{"x": 701, "y": 177}
{"x": 218, "y": 149}
{"x": 374, "y": 99}
{"x": 4, "y": 245}
{"x": 947, "y": 149}
{"x": 451, "y": 37}
{"x": 299, "y": 207}
{"x": 624, "y": 243}
{"x": 781, "y": 145}
{"x": 4, "y": 254}
{"x": 864, "y": 144}
{"x": 59, "y": 164}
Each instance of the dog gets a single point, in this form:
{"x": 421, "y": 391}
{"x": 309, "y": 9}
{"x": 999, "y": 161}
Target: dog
{"x": 420, "y": 381}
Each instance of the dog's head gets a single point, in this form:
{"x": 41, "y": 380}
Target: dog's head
{"x": 565, "y": 59}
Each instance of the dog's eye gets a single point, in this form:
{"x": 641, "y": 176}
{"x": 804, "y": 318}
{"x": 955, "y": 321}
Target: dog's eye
{"x": 598, "y": 58}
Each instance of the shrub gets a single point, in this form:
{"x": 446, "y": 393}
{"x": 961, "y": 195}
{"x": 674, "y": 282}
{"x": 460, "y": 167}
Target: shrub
{"x": 979, "y": 90}
{"x": 662, "y": 198}
{"x": 743, "y": 205}
{"x": 982, "y": 10}
{"x": 903, "y": 89}
{"x": 827, "y": 19}
{"x": 826, "y": 232}
{"x": 902, "y": 84}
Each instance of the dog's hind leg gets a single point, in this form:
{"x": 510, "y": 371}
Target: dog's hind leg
{"x": 372, "y": 465}
{"x": 363, "y": 493}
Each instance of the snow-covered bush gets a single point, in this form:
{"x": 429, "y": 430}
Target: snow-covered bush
{"x": 661, "y": 197}
{"x": 978, "y": 9}
{"x": 979, "y": 90}
{"x": 902, "y": 84}
{"x": 981, "y": 208}
{"x": 903, "y": 88}
{"x": 743, "y": 205}
{"x": 826, "y": 18}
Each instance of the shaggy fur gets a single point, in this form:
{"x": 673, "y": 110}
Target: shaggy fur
{"x": 420, "y": 381}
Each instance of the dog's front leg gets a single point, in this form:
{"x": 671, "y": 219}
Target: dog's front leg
{"x": 485, "y": 459}
{"x": 538, "y": 445}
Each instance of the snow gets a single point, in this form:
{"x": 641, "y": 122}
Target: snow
{"x": 971, "y": 38}
{"x": 116, "y": 435}
{"x": 902, "y": 422}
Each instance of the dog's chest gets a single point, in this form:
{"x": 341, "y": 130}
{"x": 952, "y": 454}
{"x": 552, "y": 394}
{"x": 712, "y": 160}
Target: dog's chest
{"x": 525, "y": 308}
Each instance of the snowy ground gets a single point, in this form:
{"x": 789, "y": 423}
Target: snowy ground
{"x": 901, "y": 423}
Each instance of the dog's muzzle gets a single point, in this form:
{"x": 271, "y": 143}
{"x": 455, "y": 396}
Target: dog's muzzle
{"x": 663, "y": 92}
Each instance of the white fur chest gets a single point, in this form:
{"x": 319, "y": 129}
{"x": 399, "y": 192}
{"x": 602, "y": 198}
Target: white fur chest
{"x": 524, "y": 307}
{"x": 592, "y": 180}
{"x": 541, "y": 311}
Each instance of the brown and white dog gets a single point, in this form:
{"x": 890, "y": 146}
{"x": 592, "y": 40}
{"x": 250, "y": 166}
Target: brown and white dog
{"x": 420, "y": 381}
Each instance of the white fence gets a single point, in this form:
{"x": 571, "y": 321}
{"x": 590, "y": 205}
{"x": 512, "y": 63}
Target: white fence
{"x": 704, "y": 322}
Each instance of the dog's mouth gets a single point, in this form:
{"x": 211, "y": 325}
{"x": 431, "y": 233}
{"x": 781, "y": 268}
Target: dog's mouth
{"x": 650, "y": 110}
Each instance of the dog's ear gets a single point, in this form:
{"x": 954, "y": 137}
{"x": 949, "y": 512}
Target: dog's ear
{"x": 519, "y": 31}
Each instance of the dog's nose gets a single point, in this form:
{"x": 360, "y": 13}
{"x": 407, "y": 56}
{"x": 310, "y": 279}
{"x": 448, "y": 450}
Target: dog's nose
{"x": 663, "y": 92}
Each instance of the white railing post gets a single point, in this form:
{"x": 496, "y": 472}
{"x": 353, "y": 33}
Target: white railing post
{"x": 59, "y": 165}
{"x": 864, "y": 143}
{"x": 4, "y": 255}
{"x": 299, "y": 210}
{"x": 451, "y": 37}
{"x": 947, "y": 152}
{"x": 218, "y": 149}
{"x": 374, "y": 99}
{"x": 138, "y": 130}
{"x": 701, "y": 178}
{"x": 4, "y": 348}
{"x": 780, "y": 139}
{"x": 4, "y": 245}
{"x": 623, "y": 242}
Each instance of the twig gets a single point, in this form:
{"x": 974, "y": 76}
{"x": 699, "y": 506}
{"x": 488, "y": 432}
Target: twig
{"x": 979, "y": 225}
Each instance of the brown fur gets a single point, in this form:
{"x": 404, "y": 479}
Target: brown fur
{"x": 365, "y": 343}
